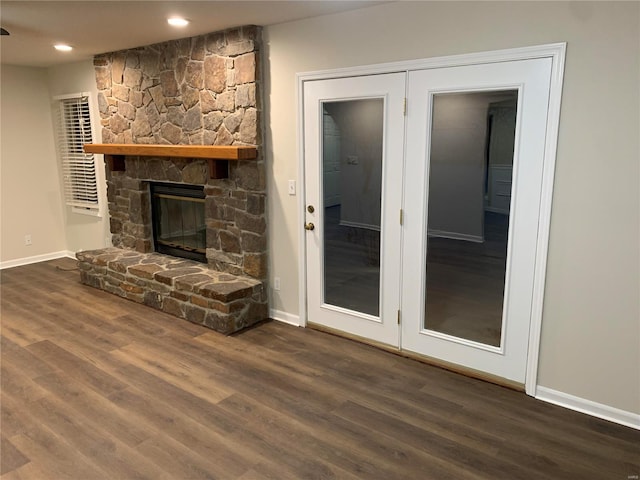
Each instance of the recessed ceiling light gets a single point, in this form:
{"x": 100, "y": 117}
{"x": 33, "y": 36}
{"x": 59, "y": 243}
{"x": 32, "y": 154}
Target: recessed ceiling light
{"x": 177, "y": 22}
{"x": 61, "y": 47}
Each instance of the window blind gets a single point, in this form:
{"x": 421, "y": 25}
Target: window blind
{"x": 78, "y": 168}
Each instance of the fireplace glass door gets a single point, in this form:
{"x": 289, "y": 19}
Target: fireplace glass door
{"x": 178, "y": 220}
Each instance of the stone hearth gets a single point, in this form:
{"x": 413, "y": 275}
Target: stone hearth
{"x": 184, "y": 288}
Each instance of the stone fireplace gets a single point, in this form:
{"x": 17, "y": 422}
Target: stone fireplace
{"x": 200, "y": 91}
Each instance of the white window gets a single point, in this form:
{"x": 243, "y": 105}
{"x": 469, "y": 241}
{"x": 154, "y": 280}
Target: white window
{"x": 80, "y": 182}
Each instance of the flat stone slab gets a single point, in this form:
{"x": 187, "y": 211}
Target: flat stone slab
{"x": 185, "y": 288}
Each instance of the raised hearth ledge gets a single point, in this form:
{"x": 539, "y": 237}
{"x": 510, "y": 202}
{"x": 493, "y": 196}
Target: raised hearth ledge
{"x": 183, "y": 288}
{"x": 218, "y": 155}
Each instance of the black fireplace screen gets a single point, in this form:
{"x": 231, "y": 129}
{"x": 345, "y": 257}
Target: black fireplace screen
{"x": 178, "y": 220}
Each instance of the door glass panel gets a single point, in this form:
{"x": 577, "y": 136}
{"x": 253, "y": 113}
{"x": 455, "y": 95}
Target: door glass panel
{"x": 471, "y": 158}
{"x": 352, "y": 133}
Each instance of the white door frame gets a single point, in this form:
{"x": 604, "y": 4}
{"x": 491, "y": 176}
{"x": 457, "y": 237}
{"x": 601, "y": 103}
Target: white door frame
{"x": 554, "y": 51}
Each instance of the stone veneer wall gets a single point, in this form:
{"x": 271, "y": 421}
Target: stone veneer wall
{"x": 202, "y": 90}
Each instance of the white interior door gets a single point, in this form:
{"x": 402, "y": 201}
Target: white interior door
{"x": 458, "y": 273}
{"x": 353, "y": 157}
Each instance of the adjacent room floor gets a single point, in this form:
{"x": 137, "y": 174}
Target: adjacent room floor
{"x": 464, "y": 280}
{"x": 98, "y": 387}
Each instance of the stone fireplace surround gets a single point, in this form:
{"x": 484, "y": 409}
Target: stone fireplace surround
{"x": 200, "y": 91}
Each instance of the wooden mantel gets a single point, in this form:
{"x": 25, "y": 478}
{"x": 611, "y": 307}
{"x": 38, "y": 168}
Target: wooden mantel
{"x": 217, "y": 155}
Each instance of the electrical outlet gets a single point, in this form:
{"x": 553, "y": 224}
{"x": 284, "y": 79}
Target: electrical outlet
{"x": 27, "y": 239}
{"x": 276, "y": 283}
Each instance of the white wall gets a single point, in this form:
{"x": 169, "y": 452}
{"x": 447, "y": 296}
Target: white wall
{"x": 30, "y": 167}
{"x": 30, "y": 194}
{"x": 456, "y": 170}
{"x": 83, "y": 232}
{"x": 590, "y": 333}
{"x": 361, "y": 149}
{"x": 458, "y": 157}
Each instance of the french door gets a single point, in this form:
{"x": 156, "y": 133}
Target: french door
{"x": 423, "y": 193}
{"x": 353, "y": 148}
{"x": 468, "y": 269}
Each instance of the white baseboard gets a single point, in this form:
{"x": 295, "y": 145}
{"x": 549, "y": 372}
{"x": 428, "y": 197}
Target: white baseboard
{"x": 284, "y": 317}
{"x": 36, "y": 259}
{"x": 456, "y": 236}
{"x": 612, "y": 414}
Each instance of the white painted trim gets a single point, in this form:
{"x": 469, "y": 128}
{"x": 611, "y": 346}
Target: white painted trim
{"x": 93, "y": 212}
{"x": 505, "y": 55}
{"x": 284, "y": 317}
{"x": 555, "y": 51}
{"x": 71, "y": 96}
{"x": 18, "y": 262}
{"x": 302, "y": 239}
{"x": 582, "y": 405}
{"x": 455, "y": 236}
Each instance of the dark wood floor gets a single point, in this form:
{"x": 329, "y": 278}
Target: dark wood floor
{"x": 96, "y": 387}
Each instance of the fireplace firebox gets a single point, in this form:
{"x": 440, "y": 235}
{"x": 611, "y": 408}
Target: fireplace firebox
{"x": 179, "y": 228}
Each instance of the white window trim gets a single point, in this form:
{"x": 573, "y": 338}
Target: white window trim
{"x": 96, "y": 209}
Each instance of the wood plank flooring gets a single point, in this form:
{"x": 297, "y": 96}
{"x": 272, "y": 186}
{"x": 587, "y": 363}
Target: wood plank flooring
{"x": 97, "y": 387}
